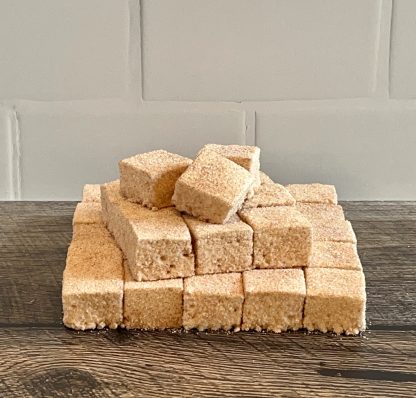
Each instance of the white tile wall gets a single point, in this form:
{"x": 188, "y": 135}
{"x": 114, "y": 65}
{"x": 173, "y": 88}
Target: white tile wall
{"x": 238, "y": 50}
{"x": 84, "y": 83}
{"x": 403, "y": 60}
{"x": 61, "y": 152}
{"x": 366, "y": 150}
{"x": 63, "y": 50}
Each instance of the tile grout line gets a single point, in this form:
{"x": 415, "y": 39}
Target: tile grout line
{"x": 140, "y": 49}
{"x": 249, "y": 125}
{"x": 135, "y": 89}
{"x": 390, "y": 47}
{"x": 15, "y": 148}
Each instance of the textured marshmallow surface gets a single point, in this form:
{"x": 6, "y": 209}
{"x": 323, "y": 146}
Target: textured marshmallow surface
{"x": 282, "y": 236}
{"x": 328, "y": 222}
{"x": 213, "y": 188}
{"x": 335, "y": 255}
{"x": 150, "y": 178}
{"x": 321, "y": 213}
{"x": 213, "y": 302}
{"x": 264, "y": 178}
{"x": 221, "y": 248}
{"x": 157, "y": 244}
{"x": 313, "y": 193}
{"x": 87, "y": 213}
{"x": 336, "y": 231}
{"x": 92, "y": 287}
{"x": 269, "y": 195}
{"x": 244, "y": 155}
{"x": 152, "y": 305}
{"x": 91, "y": 193}
{"x": 335, "y": 300}
{"x": 274, "y": 299}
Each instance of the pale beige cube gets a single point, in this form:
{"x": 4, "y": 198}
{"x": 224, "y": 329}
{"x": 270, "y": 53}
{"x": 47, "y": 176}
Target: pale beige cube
{"x": 282, "y": 236}
{"x": 328, "y": 222}
{"x": 152, "y": 305}
{"x": 321, "y": 214}
{"x": 87, "y": 213}
{"x": 213, "y": 188}
{"x": 221, "y": 248}
{"x": 244, "y": 155}
{"x": 92, "y": 287}
{"x": 335, "y": 300}
{"x": 336, "y": 231}
{"x": 313, "y": 193}
{"x": 340, "y": 255}
{"x": 150, "y": 178}
{"x": 269, "y": 195}
{"x": 91, "y": 193}
{"x": 274, "y": 299}
{"x": 213, "y": 302}
{"x": 157, "y": 244}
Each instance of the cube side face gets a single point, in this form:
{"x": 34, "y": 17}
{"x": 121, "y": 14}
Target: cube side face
{"x": 162, "y": 259}
{"x": 314, "y": 193}
{"x": 152, "y": 308}
{"x": 91, "y": 193}
{"x": 200, "y": 204}
{"x": 282, "y": 247}
{"x": 272, "y": 311}
{"x": 121, "y": 229}
{"x": 334, "y": 314}
{"x": 338, "y": 231}
{"x": 136, "y": 185}
{"x": 339, "y": 255}
{"x": 231, "y": 253}
{"x": 269, "y": 195}
{"x": 164, "y": 186}
{"x": 88, "y": 213}
{"x": 212, "y": 312}
{"x": 92, "y": 310}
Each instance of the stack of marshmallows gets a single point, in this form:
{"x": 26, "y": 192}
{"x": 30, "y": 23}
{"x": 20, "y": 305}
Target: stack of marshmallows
{"x": 211, "y": 243}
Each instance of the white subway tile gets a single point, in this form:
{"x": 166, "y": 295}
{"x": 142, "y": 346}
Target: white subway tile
{"x": 368, "y": 153}
{"x": 403, "y": 52}
{"x": 259, "y": 50}
{"x": 63, "y": 151}
{"x": 63, "y": 50}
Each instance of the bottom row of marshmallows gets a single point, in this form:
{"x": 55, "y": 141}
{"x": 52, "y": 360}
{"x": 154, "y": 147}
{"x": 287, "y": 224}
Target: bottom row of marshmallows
{"x": 99, "y": 291}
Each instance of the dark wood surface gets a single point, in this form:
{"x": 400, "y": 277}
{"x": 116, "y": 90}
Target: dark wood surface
{"x": 39, "y": 357}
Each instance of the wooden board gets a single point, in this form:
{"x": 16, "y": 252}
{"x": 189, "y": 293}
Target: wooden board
{"x": 39, "y": 357}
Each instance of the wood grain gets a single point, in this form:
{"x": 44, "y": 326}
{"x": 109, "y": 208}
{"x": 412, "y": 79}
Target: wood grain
{"x": 108, "y": 363}
{"x": 40, "y": 358}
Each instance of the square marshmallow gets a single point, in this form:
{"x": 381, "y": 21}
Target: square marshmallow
{"x": 157, "y": 244}
{"x": 213, "y": 302}
{"x": 329, "y": 254}
{"x": 335, "y": 300}
{"x": 244, "y": 155}
{"x": 152, "y": 305}
{"x": 150, "y": 178}
{"x": 91, "y": 193}
{"x": 92, "y": 287}
{"x": 282, "y": 236}
{"x": 274, "y": 299}
{"x": 221, "y": 248}
{"x": 213, "y": 188}
{"x": 269, "y": 195}
{"x": 313, "y": 193}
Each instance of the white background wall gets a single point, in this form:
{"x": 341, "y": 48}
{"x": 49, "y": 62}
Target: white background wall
{"x": 326, "y": 88}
